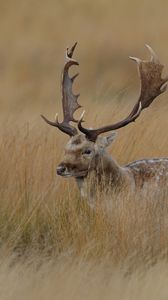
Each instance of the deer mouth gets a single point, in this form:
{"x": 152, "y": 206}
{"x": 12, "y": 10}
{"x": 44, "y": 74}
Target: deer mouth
{"x": 63, "y": 171}
{"x": 81, "y": 174}
{"x": 71, "y": 174}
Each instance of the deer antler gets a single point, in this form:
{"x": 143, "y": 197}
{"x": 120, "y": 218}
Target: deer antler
{"x": 69, "y": 100}
{"x": 152, "y": 85}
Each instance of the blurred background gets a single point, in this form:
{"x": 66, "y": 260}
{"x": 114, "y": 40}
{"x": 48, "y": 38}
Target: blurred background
{"x": 34, "y": 36}
{"x": 39, "y": 211}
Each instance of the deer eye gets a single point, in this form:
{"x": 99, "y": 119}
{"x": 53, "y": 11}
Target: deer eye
{"x": 87, "y": 151}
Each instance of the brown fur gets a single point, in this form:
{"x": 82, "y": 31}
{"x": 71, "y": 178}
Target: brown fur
{"x": 150, "y": 171}
{"x": 100, "y": 169}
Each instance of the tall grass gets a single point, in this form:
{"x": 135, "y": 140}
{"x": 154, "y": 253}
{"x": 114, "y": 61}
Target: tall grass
{"x": 53, "y": 245}
{"x": 43, "y": 212}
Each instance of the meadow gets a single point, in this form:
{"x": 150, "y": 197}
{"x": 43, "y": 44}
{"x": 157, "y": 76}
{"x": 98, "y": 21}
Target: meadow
{"x": 52, "y": 245}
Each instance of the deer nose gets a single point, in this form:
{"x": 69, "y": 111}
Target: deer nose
{"x": 61, "y": 169}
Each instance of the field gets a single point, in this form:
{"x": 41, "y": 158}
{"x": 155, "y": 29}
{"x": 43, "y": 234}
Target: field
{"x": 52, "y": 245}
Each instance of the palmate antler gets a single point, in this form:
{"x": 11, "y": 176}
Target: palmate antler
{"x": 152, "y": 85}
{"x": 69, "y": 100}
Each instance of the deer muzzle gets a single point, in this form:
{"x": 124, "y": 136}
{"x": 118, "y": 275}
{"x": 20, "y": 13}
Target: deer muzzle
{"x": 61, "y": 169}
{"x": 70, "y": 171}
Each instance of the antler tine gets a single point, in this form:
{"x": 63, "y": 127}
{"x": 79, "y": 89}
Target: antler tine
{"x": 154, "y": 57}
{"x": 136, "y": 59}
{"x": 70, "y": 53}
{"x": 69, "y": 100}
{"x": 152, "y": 85}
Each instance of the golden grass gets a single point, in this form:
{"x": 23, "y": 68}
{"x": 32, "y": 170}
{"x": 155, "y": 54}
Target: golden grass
{"x": 61, "y": 246}
{"x": 41, "y": 211}
{"x": 77, "y": 279}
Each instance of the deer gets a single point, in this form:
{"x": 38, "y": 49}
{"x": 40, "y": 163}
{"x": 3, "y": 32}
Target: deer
{"x": 85, "y": 155}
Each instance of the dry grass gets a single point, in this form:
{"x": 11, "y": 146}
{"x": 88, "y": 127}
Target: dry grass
{"x": 77, "y": 279}
{"x": 62, "y": 247}
{"x": 39, "y": 210}
{"x": 52, "y": 245}
{"x": 43, "y": 215}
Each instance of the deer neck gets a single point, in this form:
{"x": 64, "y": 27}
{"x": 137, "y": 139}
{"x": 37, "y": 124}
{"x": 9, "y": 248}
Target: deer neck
{"x": 106, "y": 173}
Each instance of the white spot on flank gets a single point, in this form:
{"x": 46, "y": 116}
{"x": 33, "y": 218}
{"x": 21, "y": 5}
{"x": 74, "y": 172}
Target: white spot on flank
{"x": 136, "y": 168}
{"x": 149, "y": 161}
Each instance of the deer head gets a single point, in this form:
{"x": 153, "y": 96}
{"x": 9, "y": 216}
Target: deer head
{"x": 86, "y": 146}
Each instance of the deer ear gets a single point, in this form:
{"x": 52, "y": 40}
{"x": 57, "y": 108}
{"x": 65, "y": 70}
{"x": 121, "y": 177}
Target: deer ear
{"x": 105, "y": 141}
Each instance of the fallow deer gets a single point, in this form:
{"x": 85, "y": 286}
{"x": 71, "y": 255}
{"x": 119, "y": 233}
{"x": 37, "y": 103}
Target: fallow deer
{"x": 85, "y": 156}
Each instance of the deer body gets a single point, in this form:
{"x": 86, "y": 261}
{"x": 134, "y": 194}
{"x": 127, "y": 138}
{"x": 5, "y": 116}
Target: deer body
{"x": 85, "y": 156}
{"x": 145, "y": 176}
{"x": 152, "y": 173}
